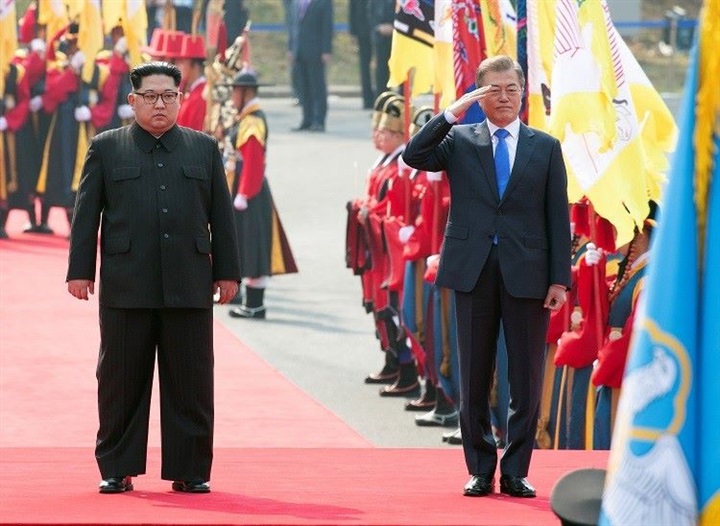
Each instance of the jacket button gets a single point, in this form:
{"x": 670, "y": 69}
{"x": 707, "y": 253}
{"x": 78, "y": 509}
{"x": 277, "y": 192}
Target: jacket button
{"x": 164, "y": 210}
{"x": 166, "y": 236}
{"x": 162, "y": 187}
{"x": 160, "y": 165}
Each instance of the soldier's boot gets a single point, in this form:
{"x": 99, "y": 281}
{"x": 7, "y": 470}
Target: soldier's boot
{"x": 42, "y": 227}
{"x": 388, "y": 374}
{"x": 253, "y": 307}
{"x": 444, "y": 414}
{"x": 407, "y": 383}
{"x": 426, "y": 402}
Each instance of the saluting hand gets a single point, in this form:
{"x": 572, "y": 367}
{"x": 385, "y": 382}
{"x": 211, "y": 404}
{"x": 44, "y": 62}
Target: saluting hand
{"x": 460, "y": 106}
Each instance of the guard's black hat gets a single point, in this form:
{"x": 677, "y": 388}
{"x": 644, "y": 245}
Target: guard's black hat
{"x": 577, "y": 497}
{"x": 245, "y": 79}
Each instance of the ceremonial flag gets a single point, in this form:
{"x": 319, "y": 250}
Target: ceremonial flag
{"x": 90, "y": 36}
{"x": 468, "y": 52}
{"x": 598, "y": 121}
{"x": 444, "y": 83}
{"x": 498, "y": 17}
{"x": 8, "y": 37}
{"x": 53, "y": 15}
{"x": 412, "y": 45}
{"x": 135, "y": 29}
{"x": 540, "y": 23}
{"x": 664, "y": 467}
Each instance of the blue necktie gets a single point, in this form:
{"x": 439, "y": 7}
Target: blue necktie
{"x": 502, "y": 161}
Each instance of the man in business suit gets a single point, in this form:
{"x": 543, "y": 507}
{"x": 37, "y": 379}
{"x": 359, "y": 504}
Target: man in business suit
{"x": 158, "y": 193}
{"x": 310, "y": 49}
{"x": 506, "y": 253}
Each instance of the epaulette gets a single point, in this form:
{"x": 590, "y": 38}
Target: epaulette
{"x": 251, "y": 126}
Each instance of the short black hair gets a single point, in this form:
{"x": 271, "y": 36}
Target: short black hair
{"x": 154, "y": 68}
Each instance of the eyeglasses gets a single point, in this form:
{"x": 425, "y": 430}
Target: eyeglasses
{"x": 150, "y": 97}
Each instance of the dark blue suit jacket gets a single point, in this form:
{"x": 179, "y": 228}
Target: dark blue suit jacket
{"x": 531, "y": 220}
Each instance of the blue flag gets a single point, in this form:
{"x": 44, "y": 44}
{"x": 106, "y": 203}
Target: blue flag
{"x": 664, "y": 467}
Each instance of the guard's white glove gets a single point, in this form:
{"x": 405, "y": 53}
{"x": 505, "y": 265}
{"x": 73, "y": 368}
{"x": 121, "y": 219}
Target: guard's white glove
{"x": 37, "y": 45}
{"x": 432, "y": 259}
{"x": 405, "y": 232}
{"x": 125, "y": 111}
{"x": 36, "y": 103}
{"x": 240, "y": 202}
{"x": 3, "y": 124}
{"x": 77, "y": 61}
{"x": 121, "y": 46}
{"x": 433, "y": 176}
{"x": 82, "y": 114}
{"x": 592, "y": 254}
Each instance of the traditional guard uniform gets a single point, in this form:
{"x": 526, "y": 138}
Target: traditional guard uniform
{"x": 194, "y": 105}
{"x": 264, "y": 249}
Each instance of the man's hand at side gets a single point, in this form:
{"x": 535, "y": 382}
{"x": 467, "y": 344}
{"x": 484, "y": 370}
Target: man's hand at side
{"x": 555, "y": 297}
{"x": 228, "y": 290}
{"x": 81, "y": 288}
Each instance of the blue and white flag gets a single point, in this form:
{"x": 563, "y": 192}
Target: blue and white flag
{"x": 664, "y": 467}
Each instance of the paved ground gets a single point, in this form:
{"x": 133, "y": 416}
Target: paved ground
{"x": 316, "y": 332}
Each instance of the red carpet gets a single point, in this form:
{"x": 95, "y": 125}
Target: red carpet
{"x": 281, "y": 457}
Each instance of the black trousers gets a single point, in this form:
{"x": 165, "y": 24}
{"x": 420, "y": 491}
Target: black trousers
{"x": 129, "y": 339}
{"x": 525, "y": 323}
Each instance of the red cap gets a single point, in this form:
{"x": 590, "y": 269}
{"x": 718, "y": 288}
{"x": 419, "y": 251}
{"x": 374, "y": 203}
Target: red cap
{"x": 193, "y": 46}
{"x": 172, "y": 45}
{"x": 157, "y": 41}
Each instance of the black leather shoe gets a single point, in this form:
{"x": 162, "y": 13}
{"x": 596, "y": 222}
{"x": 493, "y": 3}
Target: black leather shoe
{"x": 516, "y": 486}
{"x": 115, "y": 485}
{"x": 242, "y": 311}
{"x": 317, "y": 128}
{"x": 478, "y": 486}
{"x": 191, "y": 486}
{"x": 302, "y": 127}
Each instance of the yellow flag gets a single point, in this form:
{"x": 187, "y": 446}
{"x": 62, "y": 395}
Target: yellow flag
{"x": 8, "y": 37}
{"x": 614, "y": 128}
{"x": 412, "y": 46}
{"x": 90, "y": 37}
{"x": 135, "y": 29}
{"x": 444, "y": 82}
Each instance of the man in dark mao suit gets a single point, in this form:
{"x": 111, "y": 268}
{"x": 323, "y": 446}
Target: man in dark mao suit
{"x": 158, "y": 194}
{"x": 506, "y": 253}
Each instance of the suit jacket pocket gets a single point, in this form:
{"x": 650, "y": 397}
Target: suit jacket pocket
{"x": 456, "y": 231}
{"x": 533, "y": 241}
{"x": 117, "y": 245}
{"x": 125, "y": 173}
{"x": 203, "y": 244}
{"x": 195, "y": 172}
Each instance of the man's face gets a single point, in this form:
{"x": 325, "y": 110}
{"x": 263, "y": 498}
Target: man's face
{"x": 160, "y": 116}
{"x": 389, "y": 141}
{"x": 502, "y": 103}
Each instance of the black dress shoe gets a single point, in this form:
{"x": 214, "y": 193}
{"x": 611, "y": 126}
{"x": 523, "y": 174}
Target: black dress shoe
{"x": 516, "y": 486}
{"x": 242, "y": 311}
{"x": 302, "y": 127}
{"x": 317, "y": 128}
{"x": 478, "y": 486}
{"x": 191, "y": 486}
{"x": 115, "y": 485}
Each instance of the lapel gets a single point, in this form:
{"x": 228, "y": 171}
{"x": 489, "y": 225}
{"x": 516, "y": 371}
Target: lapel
{"x": 485, "y": 153}
{"x": 525, "y": 146}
